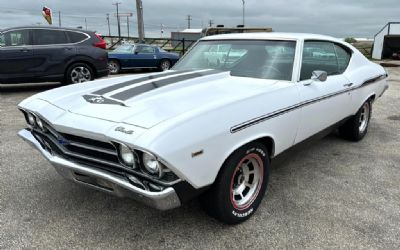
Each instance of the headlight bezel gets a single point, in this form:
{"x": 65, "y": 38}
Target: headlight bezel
{"x": 40, "y": 124}
{"x": 159, "y": 171}
{"x": 31, "y": 119}
{"x": 119, "y": 147}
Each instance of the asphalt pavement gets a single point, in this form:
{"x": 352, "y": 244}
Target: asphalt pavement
{"x": 330, "y": 194}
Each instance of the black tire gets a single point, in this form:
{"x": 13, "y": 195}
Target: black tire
{"x": 357, "y": 126}
{"x": 114, "y": 67}
{"x": 220, "y": 202}
{"x": 165, "y": 64}
{"x": 78, "y": 73}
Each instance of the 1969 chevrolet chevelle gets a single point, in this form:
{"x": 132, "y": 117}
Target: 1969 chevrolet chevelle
{"x": 207, "y": 128}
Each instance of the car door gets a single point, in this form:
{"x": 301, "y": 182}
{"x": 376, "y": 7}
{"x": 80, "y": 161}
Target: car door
{"x": 145, "y": 57}
{"x": 16, "y": 55}
{"x": 323, "y": 103}
{"x": 53, "y": 50}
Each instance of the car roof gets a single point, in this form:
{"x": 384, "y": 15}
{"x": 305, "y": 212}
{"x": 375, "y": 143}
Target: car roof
{"x": 272, "y": 36}
{"x": 45, "y": 27}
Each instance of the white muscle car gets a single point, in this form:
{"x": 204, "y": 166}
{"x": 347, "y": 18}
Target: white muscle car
{"x": 164, "y": 138}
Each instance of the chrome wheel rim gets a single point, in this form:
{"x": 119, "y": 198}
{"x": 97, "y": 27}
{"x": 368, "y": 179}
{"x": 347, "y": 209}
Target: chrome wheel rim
{"x": 246, "y": 181}
{"x": 165, "y": 65}
{"x": 80, "y": 74}
{"x": 112, "y": 66}
{"x": 364, "y": 117}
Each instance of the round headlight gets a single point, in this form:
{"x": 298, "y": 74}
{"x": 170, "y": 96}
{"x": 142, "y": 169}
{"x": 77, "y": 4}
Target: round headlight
{"x": 40, "y": 124}
{"x": 127, "y": 156}
{"x": 152, "y": 165}
{"x": 31, "y": 119}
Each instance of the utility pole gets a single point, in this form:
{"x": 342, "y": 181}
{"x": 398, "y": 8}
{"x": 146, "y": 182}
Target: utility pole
{"x": 139, "y": 11}
{"x": 189, "y": 18}
{"x": 59, "y": 19}
{"x": 127, "y": 24}
{"x": 119, "y": 24}
{"x": 211, "y": 22}
{"x": 243, "y": 1}
{"x": 85, "y": 23}
{"x": 108, "y": 22}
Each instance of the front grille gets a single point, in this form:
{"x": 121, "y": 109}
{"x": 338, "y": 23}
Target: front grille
{"x": 93, "y": 153}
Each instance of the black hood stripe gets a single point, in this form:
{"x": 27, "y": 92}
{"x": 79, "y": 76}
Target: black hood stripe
{"x": 129, "y": 93}
{"x": 139, "y": 80}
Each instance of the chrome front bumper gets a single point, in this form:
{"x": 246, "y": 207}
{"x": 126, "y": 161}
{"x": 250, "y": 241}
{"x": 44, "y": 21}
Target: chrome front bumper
{"x": 104, "y": 181}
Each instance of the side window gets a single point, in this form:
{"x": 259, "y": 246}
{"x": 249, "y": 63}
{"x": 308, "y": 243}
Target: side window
{"x": 146, "y": 50}
{"x": 343, "y": 58}
{"x": 49, "y": 37}
{"x": 318, "y": 56}
{"x": 16, "y": 38}
{"x": 76, "y": 37}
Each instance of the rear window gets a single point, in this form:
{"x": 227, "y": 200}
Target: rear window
{"x": 76, "y": 37}
{"x": 48, "y": 37}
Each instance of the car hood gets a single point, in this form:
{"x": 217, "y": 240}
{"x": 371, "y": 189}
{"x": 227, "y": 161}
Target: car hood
{"x": 147, "y": 100}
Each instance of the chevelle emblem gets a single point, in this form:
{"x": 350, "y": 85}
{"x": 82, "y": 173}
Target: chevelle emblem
{"x": 123, "y": 130}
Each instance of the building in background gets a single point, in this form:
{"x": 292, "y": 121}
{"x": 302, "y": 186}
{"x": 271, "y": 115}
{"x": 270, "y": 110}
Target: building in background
{"x": 387, "y": 42}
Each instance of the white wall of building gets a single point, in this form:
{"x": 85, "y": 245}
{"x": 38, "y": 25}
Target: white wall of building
{"x": 378, "y": 43}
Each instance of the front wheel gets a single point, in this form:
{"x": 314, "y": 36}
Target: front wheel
{"x": 357, "y": 126}
{"x": 78, "y": 73}
{"x": 240, "y": 186}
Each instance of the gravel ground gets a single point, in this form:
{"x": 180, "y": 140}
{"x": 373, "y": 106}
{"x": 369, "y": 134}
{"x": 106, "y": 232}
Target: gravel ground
{"x": 330, "y": 194}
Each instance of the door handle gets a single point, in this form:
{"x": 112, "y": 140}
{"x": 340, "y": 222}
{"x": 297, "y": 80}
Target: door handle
{"x": 68, "y": 48}
{"x": 348, "y": 85}
{"x": 24, "y": 50}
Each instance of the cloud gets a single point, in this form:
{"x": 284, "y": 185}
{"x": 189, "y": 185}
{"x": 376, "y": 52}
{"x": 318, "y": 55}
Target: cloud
{"x": 340, "y": 18}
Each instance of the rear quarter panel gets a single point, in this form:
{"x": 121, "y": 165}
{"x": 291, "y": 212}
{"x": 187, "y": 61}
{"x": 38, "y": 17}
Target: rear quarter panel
{"x": 360, "y": 72}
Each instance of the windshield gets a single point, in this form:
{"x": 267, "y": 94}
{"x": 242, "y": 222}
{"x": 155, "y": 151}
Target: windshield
{"x": 271, "y": 59}
{"x": 124, "y": 49}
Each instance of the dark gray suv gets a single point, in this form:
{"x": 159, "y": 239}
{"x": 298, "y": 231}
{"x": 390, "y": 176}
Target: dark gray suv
{"x": 37, "y": 54}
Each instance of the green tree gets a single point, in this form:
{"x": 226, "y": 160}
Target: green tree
{"x": 350, "y": 40}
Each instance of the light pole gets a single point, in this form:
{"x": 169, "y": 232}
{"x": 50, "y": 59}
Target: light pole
{"x": 243, "y": 1}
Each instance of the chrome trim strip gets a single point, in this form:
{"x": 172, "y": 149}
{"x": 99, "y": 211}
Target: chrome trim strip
{"x": 45, "y": 45}
{"x": 163, "y": 200}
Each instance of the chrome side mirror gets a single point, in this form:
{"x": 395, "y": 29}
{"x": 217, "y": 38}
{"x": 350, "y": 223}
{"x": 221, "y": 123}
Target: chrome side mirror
{"x": 319, "y": 75}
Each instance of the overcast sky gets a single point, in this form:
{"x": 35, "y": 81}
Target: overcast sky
{"x": 340, "y": 18}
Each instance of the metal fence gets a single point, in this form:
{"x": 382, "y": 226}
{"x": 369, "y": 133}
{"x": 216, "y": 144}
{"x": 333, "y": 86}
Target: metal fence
{"x": 179, "y": 46}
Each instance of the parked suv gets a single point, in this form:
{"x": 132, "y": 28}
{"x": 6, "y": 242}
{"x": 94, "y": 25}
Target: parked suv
{"x": 35, "y": 54}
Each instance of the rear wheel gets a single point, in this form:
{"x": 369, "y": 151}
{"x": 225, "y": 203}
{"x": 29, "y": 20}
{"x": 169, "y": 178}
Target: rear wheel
{"x": 240, "y": 186}
{"x": 165, "y": 65}
{"x": 357, "y": 127}
{"x": 114, "y": 67}
{"x": 78, "y": 73}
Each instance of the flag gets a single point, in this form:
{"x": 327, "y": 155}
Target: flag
{"x": 47, "y": 14}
